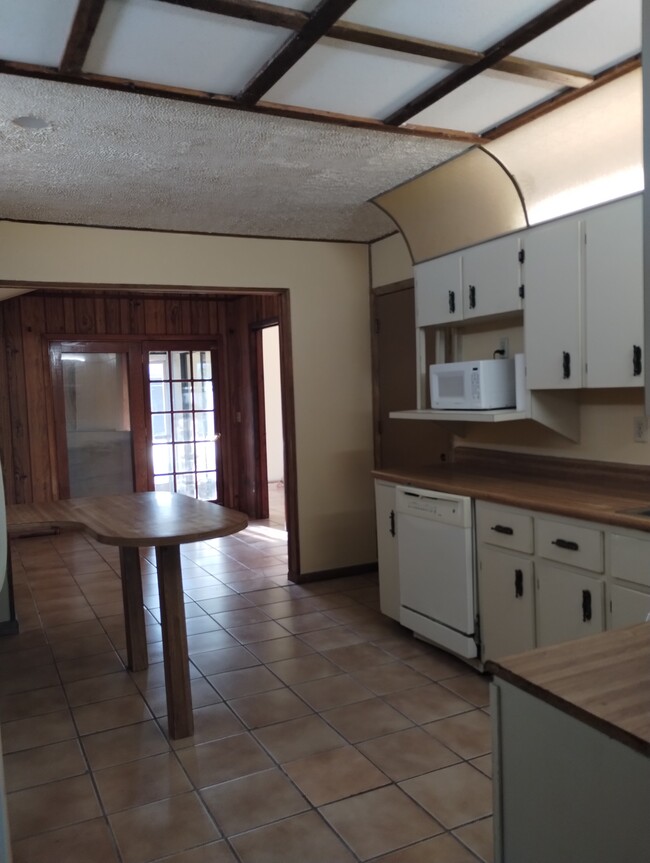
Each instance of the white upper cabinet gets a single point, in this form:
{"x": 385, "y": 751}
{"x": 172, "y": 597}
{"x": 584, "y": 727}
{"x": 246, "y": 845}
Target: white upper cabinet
{"x": 614, "y": 294}
{"x": 492, "y": 278}
{"x": 553, "y": 313}
{"x": 438, "y": 291}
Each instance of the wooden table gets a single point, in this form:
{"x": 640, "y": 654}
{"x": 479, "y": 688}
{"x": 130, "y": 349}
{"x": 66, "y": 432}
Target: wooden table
{"x": 160, "y": 519}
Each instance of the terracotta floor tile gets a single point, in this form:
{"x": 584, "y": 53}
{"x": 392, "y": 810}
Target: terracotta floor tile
{"x": 251, "y": 801}
{"x": 366, "y": 719}
{"x": 245, "y": 681}
{"x": 33, "y": 703}
{"x": 440, "y": 849}
{"x": 473, "y": 687}
{"x": 25, "y": 681}
{"x": 78, "y": 843}
{"x": 113, "y": 713}
{"x": 37, "y": 731}
{"x": 76, "y": 647}
{"x": 479, "y": 837}
{"x": 89, "y": 666}
{"x": 203, "y": 694}
{"x": 468, "y": 734}
{"x": 206, "y": 641}
{"x": 124, "y": 744}
{"x": 224, "y": 603}
{"x": 139, "y": 782}
{"x": 46, "y": 807}
{"x": 22, "y": 641}
{"x": 407, "y": 753}
{"x": 269, "y": 707}
{"x": 102, "y": 688}
{"x": 484, "y": 764}
{"x": 427, "y": 703}
{"x": 220, "y": 760}
{"x": 74, "y": 630}
{"x": 332, "y": 692}
{"x": 174, "y": 824}
{"x": 454, "y": 795}
{"x": 358, "y": 656}
{"x": 24, "y": 660}
{"x": 213, "y": 852}
{"x": 302, "y": 668}
{"x": 241, "y": 616}
{"x": 227, "y": 659}
{"x": 305, "y": 838}
{"x": 327, "y": 639}
{"x": 43, "y": 764}
{"x": 307, "y": 735}
{"x": 310, "y": 622}
{"x": 280, "y": 648}
{"x": 334, "y": 774}
{"x": 210, "y": 723}
{"x": 258, "y": 632}
{"x": 437, "y": 665}
{"x": 392, "y": 677}
{"x": 379, "y": 821}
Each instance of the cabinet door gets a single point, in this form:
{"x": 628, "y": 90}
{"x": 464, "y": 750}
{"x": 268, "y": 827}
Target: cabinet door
{"x": 627, "y": 607}
{"x": 553, "y": 305}
{"x": 614, "y": 294}
{"x": 569, "y": 604}
{"x": 492, "y": 278}
{"x": 387, "y": 549}
{"x": 438, "y": 291}
{"x": 506, "y": 603}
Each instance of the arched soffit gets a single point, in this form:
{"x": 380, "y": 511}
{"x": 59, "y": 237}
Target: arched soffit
{"x": 463, "y": 202}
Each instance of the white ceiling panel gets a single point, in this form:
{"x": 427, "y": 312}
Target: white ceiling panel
{"x": 475, "y": 24}
{"x": 35, "y": 31}
{"x": 600, "y": 35}
{"x": 357, "y": 80}
{"x": 146, "y": 40}
{"x": 485, "y": 101}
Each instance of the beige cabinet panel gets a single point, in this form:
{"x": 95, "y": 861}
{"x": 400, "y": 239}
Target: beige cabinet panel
{"x": 627, "y": 607}
{"x": 506, "y": 602}
{"x": 629, "y": 558}
{"x": 569, "y": 604}
{"x": 492, "y": 278}
{"x": 387, "y": 549}
{"x": 438, "y": 291}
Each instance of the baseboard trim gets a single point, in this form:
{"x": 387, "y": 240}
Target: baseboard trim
{"x": 325, "y": 574}
{"x": 9, "y": 627}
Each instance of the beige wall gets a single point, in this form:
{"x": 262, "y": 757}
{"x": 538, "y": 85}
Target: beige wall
{"x": 328, "y": 285}
{"x": 390, "y": 261}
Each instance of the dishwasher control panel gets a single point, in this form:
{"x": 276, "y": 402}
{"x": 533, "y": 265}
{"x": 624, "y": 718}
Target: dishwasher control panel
{"x": 435, "y": 506}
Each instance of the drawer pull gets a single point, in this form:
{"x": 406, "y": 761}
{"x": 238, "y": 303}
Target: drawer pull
{"x": 637, "y": 366}
{"x": 519, "y": 583}
{"x": 586, "y": 605}
{"x": 568, "y": 544}
{"x": 502, "y": 528}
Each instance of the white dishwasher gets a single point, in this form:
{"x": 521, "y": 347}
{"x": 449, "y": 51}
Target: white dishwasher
{"x": 436, "y": 568}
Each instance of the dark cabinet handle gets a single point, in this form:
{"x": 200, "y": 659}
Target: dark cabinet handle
{"x": 392, "y": 523}
{"x": 566, "y": 364}
{"x": 637, "y": 366}
{"x": 519, "y": 583}
{"x": 472, "y": 296}
{"x": 586, "y": 605}
{"x": 568, "y": 544}
{"x": 452, "y": 302}
{"x": 502, "y": 528}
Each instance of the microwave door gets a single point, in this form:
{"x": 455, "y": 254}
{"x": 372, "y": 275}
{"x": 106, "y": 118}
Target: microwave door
{"x": 448, "y": 389}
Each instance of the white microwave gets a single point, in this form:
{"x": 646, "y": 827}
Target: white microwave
{"x": 480, "y": 385}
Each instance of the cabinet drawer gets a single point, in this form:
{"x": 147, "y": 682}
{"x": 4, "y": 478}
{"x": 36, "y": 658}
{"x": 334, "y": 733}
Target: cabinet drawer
{"x": 570, "y": 543}
{"x": 504, "y": 527}
{"x": 630, "y": 559}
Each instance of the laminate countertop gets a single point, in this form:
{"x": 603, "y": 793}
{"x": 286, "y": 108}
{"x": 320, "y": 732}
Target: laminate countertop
{"x": 594, "y": 491}
{"x": 602, "y": 680}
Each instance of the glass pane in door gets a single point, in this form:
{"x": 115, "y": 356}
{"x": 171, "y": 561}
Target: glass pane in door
{"x": 98, "y": 425}
{"x": 184, "y": 443}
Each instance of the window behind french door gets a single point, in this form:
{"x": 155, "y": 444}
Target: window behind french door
{"x": 183, "y": 432}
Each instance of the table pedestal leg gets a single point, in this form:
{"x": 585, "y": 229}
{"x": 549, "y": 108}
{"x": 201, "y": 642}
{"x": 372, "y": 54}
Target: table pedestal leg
{"x": 174, "y": 632}
{"x": 136, "y": 637}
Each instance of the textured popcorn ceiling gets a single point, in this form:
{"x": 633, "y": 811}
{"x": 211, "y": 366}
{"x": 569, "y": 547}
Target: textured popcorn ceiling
{"x": 126, "y": 160}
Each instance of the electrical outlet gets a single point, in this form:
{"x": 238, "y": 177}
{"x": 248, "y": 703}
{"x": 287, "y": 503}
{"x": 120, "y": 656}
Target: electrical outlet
{"x": 503, "y": 346}
{"x": 641, "y": 429}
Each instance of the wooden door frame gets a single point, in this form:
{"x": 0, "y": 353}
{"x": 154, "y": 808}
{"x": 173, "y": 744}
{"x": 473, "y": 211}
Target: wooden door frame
{"x": 58, "y": 346}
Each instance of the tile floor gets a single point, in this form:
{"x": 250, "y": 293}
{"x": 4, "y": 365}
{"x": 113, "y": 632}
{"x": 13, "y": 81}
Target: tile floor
{"x": 324, "y": 731}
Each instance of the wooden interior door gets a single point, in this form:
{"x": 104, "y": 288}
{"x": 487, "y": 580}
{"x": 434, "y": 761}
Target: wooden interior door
{"x": 399, "y": 442}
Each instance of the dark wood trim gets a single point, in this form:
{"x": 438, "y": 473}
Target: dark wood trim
{"x": 563, "y": 98}
{"x": 318, "y": 23}
{"x": 82, "y": 31}
{"x": 544, "y": 72}
{"x": 393, "y": 287}
{"x": 249, "y": 10}
{"x": 374, "y": 367}
{"x": 289, "y": 437}
{"x": 323, "y": 574}
{"x": 131, "y": 291}
{"x": 59, "y": 428}
{"x": 499, "y": 51}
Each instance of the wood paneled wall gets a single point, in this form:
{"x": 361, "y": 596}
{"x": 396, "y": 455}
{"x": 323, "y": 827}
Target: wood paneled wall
{"x": 29, "y": 322}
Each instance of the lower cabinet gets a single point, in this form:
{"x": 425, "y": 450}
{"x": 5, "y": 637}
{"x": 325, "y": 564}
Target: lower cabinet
{"x": 506, "y": 602}
{"x": 570, "y": 604}
{"x": 387, "y": 549}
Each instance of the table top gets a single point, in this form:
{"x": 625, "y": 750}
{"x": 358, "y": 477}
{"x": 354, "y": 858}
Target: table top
{"x": 139, "y": 519}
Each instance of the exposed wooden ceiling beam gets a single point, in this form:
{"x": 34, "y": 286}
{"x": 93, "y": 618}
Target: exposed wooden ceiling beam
{"x": 499, "y": 51}
{"x": 563, "y": 98}
{"x": 83, "y": 28}
{"x": 28, "y": 70}
{"x": 344, "y": 31}
{"x": 324, "y": 15}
